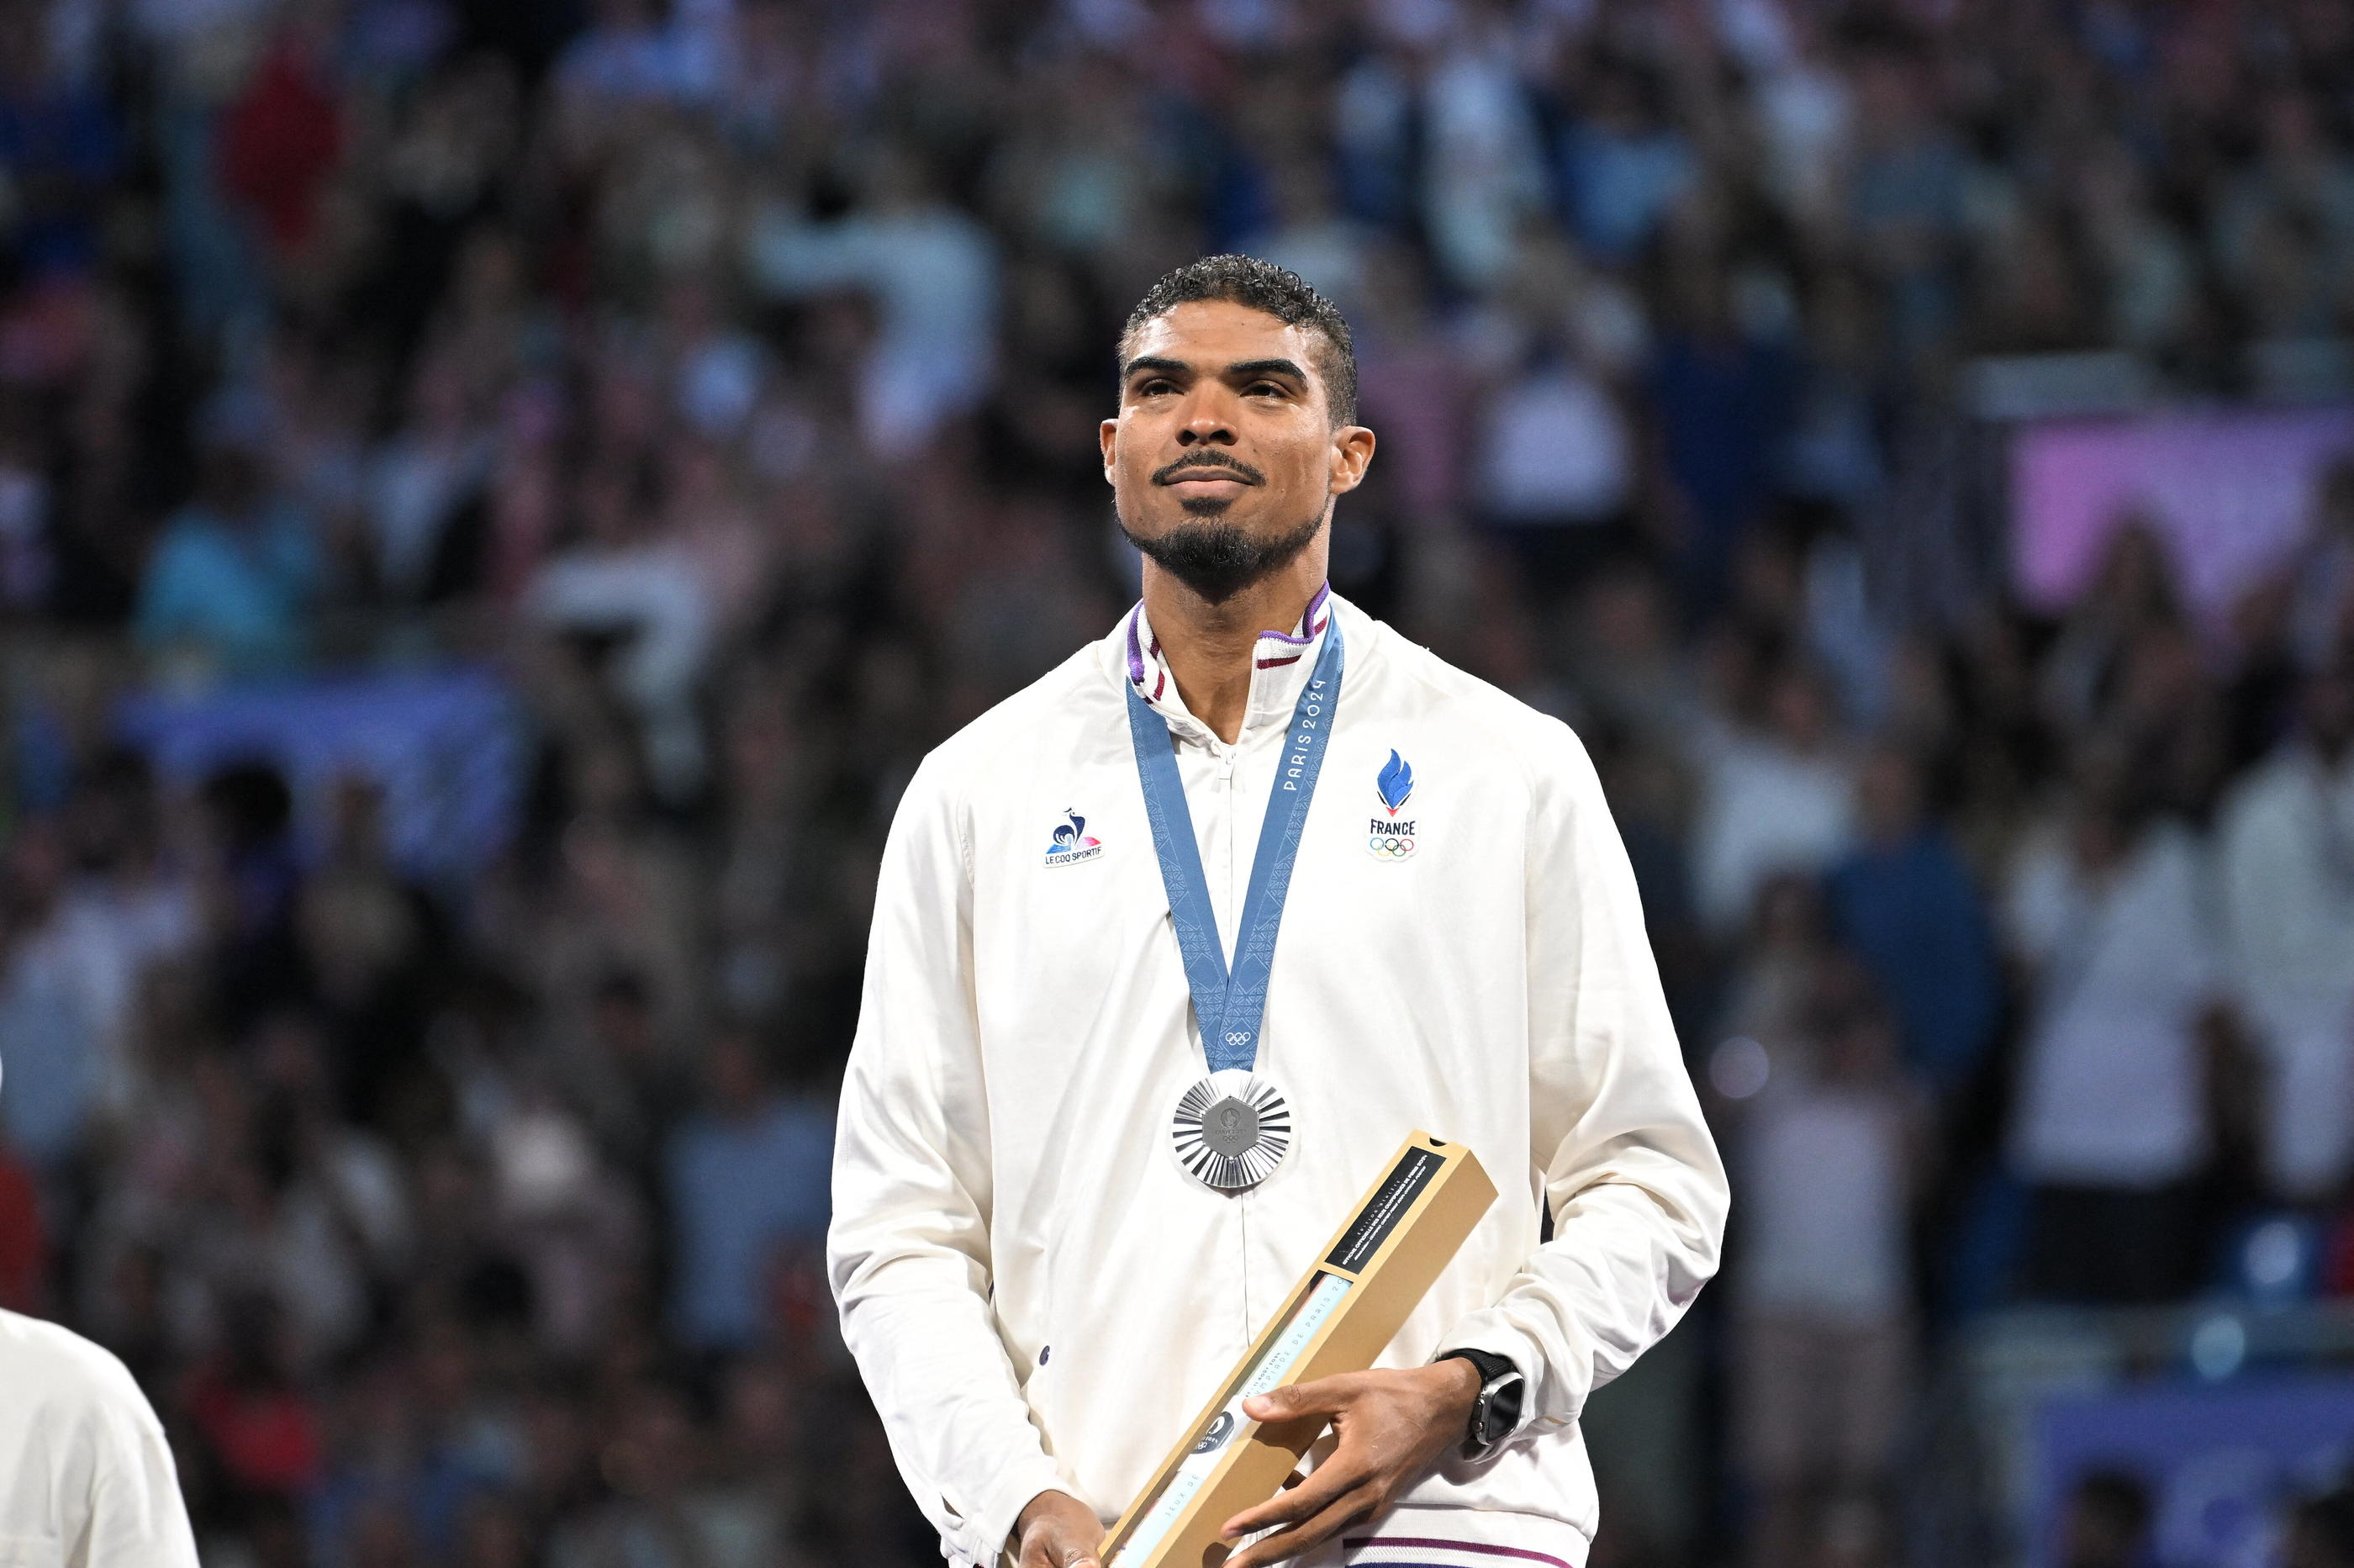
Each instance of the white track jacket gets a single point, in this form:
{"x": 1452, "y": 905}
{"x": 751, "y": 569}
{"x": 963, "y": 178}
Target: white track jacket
{"x": 86, "y": 1477}
{"x": 1037, "y": 1293}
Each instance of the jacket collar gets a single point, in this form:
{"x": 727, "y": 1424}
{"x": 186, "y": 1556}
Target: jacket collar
{"x": 1280, "y": 666}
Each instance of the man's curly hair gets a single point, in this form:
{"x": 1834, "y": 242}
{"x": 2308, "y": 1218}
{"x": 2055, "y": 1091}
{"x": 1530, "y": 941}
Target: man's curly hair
{"x": 1263, "y": 286}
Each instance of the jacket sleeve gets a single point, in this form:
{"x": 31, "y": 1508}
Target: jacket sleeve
{"x": 909, "y": 1251}
{"x": 136, "y": 1514}
{"x": 1632, "y": 1176}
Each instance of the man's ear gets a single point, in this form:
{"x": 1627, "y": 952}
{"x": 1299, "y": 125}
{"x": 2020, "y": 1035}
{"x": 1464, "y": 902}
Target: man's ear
{"x": 1352, "y": 453}
{"x": 1107, "y": 436}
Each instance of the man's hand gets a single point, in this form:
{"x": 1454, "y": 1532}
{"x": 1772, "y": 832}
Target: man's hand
{"x": 1392, "y": 1425}
{"x": 1056, "y": 1529}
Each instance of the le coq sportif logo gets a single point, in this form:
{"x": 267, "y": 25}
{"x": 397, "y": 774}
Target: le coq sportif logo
{"x": 1069, "y": 843}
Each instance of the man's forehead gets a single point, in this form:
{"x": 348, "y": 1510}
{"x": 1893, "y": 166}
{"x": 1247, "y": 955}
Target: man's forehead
{"x": 1220, "y": 330}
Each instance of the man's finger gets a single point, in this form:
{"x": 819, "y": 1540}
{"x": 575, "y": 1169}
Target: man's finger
{"x": 1050, "y": 1547}
{"x": 1326, "y": 1482}
{"x": 1345, "y": 1511}
{"x": 1325, "y": 1396}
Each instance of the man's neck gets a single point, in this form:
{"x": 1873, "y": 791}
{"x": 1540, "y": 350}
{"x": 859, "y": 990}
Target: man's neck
{"x": 1210, "y": 648}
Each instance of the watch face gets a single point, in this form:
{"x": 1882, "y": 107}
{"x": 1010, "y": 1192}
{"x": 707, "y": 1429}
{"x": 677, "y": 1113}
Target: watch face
{"x": 1499, "y": 1408}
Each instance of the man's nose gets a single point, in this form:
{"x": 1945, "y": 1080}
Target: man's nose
{"x": 1207, "y": 422}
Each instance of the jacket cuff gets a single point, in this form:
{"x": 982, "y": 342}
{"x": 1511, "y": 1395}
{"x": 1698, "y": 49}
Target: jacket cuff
{"x": 1489, "y": 1330}
{"x": 1003, "y": 1500}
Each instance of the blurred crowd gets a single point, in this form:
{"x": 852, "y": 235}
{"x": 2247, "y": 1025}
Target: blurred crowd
{"x": 721, "y": 376}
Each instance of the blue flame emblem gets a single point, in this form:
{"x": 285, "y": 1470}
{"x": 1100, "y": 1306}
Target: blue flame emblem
{"x": 1396, "y": 783}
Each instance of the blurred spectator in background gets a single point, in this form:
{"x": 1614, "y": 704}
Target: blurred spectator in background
{"x": 50, "y": 1011}
{"x": 1554, "y": 470}
{"x": 279, "y": 138}
{"x": 1722, "y": 393}
{"x": 1778, "y": 792}
{"x": 1905, "y": 904}
{"x": 2323, "y": 579}
{"x": 2285, "y": 858}
{"x": 421, "y": 482}
{"x": 63, "y": 145}
{"x": 931, "y": 272}
{"x": 749, "y": 1179}
{"x": 1624, "y": 162}
{"x": 632, "y": 52}
{"x": 1627, "y": 661}
{"x": 633, "y": 598}
{"x": 236, "y": 571}
{"x": 23, "y": 1240}
{"x": 2109, "y": 902}
{"x": 1832, "y": 1145}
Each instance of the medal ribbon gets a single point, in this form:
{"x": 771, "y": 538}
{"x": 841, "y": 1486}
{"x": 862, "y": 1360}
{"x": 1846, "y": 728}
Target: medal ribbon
{"x": 1228, "y": 1007}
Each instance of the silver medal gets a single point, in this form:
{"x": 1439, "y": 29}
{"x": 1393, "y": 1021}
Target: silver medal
{"x": 1230, "y": 1129}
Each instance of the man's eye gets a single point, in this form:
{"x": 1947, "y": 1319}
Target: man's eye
{"x": 1154, "y": 388}
{"x": 1266, "y": 388}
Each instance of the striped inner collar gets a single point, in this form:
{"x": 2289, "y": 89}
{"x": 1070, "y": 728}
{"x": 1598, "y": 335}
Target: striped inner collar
{"x": 1149, "y": 673}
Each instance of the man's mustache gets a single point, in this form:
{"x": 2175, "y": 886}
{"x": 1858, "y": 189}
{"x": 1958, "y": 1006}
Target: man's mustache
{"x": 1242, "y": 469}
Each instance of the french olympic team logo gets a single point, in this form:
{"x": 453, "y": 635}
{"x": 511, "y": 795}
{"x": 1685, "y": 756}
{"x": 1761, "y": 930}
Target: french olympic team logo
{"x": 1390, "y": 838}
{"x": 1071, "y": 844}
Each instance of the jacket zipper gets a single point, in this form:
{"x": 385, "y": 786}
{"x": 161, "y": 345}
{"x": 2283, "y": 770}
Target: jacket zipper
{"x": 1235, "y": 841}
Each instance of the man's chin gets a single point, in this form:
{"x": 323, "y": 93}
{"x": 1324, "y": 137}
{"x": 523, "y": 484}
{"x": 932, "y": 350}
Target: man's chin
{"x": 1218, "y": 561}
{"x": 1207, "y": 506}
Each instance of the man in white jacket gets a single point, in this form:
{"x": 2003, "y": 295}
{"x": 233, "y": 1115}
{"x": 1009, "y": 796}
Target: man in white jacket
{"x": 1043, "y": 1266}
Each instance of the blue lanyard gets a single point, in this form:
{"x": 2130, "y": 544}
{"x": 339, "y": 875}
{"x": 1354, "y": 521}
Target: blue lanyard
{"x": 1229, "y": 1007}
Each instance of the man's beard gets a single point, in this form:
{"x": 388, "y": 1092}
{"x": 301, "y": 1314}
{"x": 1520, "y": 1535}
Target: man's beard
{"x": 1218, "y": 560}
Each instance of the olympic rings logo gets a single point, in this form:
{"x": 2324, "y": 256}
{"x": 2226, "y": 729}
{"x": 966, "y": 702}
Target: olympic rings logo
{"x": 1389, "y": 847}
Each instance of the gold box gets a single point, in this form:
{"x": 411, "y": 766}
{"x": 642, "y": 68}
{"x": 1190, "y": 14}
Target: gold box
{"x": 1341, "y": 1316}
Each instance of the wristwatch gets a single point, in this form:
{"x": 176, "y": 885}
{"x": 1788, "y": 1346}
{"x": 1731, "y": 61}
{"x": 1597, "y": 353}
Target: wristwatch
{"x": 1498, "y": 1410}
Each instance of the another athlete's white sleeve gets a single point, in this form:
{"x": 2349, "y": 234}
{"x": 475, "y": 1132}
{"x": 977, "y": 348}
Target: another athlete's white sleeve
{"x": 85, "y": 1477}
{"x": 908, "y": 1252}
{"x": 136, "y": 1517}
{"x": 1637, "y": 1188}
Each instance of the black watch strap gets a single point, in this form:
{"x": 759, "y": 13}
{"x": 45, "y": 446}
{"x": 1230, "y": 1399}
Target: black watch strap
{"x": 1496, "y": 1415}
{"x": 1490, "y": 1365}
